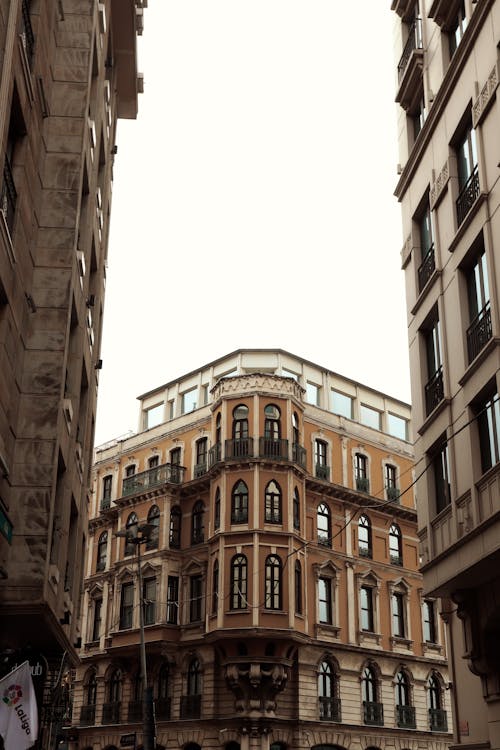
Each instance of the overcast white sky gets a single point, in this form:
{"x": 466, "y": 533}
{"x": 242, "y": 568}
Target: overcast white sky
{"x": 253, "y": 197}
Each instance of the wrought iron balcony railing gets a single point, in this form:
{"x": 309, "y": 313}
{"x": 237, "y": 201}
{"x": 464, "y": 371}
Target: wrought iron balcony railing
{"x": 330, "y": 709}
{"x": 405, "y": 717}
{"x": 8, "y": 197}
{"x": 134, "y": 712}
{"x": 87, "y": 714}
{"x": 393, "y": 493}
{"x": 190, "y": 706}
{"x": 438, "y": 720}
{"x": 299, "y": 455}
{"x": 324, "y": 539}
{"x": 434, "y": 391}
{"x": 413, "y": 42}
{"x": 111, "y": 713}
{"x": 468, "y": 195}
{"x": 197, "y": 536}
{"x": 239, "y": 448}
{"x": 214, "y": 455}
{"x": 427, "y": 268}
{"x": 200, "y": 469}
{"x": 172, "y": 473}
{"x": 373, "y": 713}
{"x": 162, "y": 709}
{"x": 273, "y": 448}
{"x": 322, "y": 471}
{"x": 479, "y": 332}
{"x": 362, "y": 484}
{"x": 105, "y": 503}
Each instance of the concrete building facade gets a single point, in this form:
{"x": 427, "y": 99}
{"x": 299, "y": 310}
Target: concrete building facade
{"x": 448, "y": 128}
{"x": 282, "y": 600}
{"x": 68, "y": 71}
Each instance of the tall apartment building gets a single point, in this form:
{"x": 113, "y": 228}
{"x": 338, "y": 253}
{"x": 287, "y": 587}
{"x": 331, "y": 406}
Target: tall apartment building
{"x": 68, "y": 70}
{"x": 449, "y": 125}
{"x": 282, "y": 600}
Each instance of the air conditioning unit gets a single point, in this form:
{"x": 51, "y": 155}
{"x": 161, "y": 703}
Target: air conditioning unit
{"x": 68, "y": 410}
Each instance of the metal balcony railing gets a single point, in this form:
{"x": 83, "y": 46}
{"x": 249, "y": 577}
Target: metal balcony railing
{"x": 8, "y": 197}
{"x": 172, "y": 473}
{"x": 393, "y": 493}
{"x": 468, "y": 195}
{"x": 197, "y": 536}
{"x": 405, "y": 717}
{"x": 322, "y": 471}
{"x": 427, "y": 268}
{"x": 162, "y": 709}
{"x": 434, "y": 391}
{"x": 190, "y": 706}
{"x": 413, "y": 42}
{"x": 395, "y": 558}
{"x": 111, "y": 713}
{"x": 200, "y": 469}
{"x": 479, "y": 332}
{"x": 27, "y": 36}
{"x": 134, "y": 712}
{"x": 273, "y": 448}
{"x": 438, "y": 720}
{"x": 362, "y": 484}
{"x": 373, "y": 713}
{"x": 105, "y": 503}
{"x": 87, "y": 714}
{"x": 239, "y": 448}
{"x": 330, "y": 709}
{"x": 214, "y": 455}
{"x": 299, "y": 455}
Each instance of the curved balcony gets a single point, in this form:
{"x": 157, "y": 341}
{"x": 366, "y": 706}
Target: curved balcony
{"x": 238, "y": 448}
{"x": 166, "y": 473}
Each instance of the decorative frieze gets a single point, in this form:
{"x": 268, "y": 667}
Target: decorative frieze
{"x": 485, "y": 98}
{"x": 257, "y": 381}
{"x": 439, "y": 185}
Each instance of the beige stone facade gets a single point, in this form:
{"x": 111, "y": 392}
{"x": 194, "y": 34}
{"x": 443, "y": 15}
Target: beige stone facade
{"x": 68, "y": 70}
{"x": 448, "y": 126}
{"x": 282, "y": 600}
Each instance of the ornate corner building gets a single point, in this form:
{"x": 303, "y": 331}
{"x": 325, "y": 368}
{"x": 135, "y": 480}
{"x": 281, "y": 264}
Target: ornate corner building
{"x": 282, "y": 602}
{"x": 448, "y": 126}
{"x": 68, "y": 71}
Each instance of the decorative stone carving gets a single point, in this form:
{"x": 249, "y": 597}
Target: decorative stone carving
{"x": 255, "y": 686}
{"x": 485, "y": 98}
{"x": 257, "y": 381}
{"x": 437, "y": 189}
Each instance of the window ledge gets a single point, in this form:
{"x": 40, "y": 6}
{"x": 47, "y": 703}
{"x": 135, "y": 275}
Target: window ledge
{"x": 433, "y": 647}
{"x": 401, "y": 642}
{"x": 369, "y": 638}
{"x": 433, "y": 415}
{"x": 243, "y": 611}
{"x": 481, "y": 198}
{"x": 479, "y": 359}
{"x": 423, "y": 294}
{"x": 323, "y": 629}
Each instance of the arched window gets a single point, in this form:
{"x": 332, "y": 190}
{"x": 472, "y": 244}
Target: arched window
{"x": 329, "y": 705}
{"x": 239, "y": 578}
{"x": 373, "y": 710}
{"x": 215, "y": 587}
{"x": 162, "y": 703}
{"x": 395, "y": 545}
{"x": 217, "y": 509}
{"x": 296, "y": 509}
{"x": 194, "y": 678}
{"x": 438, "y": 719}
{"x": 102, "y": 551}
{"x": 239, "y": 503}
{"x": 111, "y": 710}
{"x": 87, "y": 712}
{"x": 218, "y": 430}
{"x": 197, "y": 523}
{"x": 402, "y": 689}
{"x": 174, "y": 538}
{"x": 131, "y": 528}
{"x": 273, "y": 503}
{"x": 324, "y": 525}
{"x": 434, "y": 692}
{"x": 364, "y": 537}
{"x": 240, "y": 422}
{"x": 273, "y": 582}
{"x": 298, "y": 588}
{"x": 295, "y": 429}
{"x": 154, "y": 520}
{"x": 272, "y": 424}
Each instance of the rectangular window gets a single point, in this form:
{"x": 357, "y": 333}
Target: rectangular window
{"x": 468, "y": 173}
{"x": 149, "y": 600}
{"x": 434, "y": 392}
{"x": 153, "y": 462}
{"x": 201, "y": 451}
{"x": 340, "y": 404}
{"x": 312, "y": 393}
{"x": 325, "y": 600}
{"x": 441, "y": 470}
{"x": 195, "y": 598}
{"x": 96, "y": 628}
{"x": 427, "y": 255}
{"x": 175, "y": 456}
{"x": 398, "y": 620}
{"x": 189, "y": 402}
{"x": 366, "y": 605}
{"x": 173, "y": 600}
{"x": 153, "y": 416}
{"x": 370, "y": 417}
{"x": 457, "y": 29}
{"x": 289, "y": 374}
{"x": 361, "y": 473}
{"x": 429, "y": 622}
{"x": 130, "y": 471}
{"x": 204, "y": 394}
{"x": 107, "y": 485}
{"x": 298, "y": 589}
{"x": 480, "y": 329}
{"x": 488, "y": 424}
{"x": 171, "y": 409}
{"x": 397, "y": 426}
{"x": 126, "y": 606}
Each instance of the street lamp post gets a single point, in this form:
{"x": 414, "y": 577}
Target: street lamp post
{"x": 140, "y": 535}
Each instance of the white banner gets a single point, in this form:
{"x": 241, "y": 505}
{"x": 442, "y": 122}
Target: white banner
{"x": 18, "y": 709}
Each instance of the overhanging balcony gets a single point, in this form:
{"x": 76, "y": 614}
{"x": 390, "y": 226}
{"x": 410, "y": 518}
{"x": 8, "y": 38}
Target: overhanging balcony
{"x": 166, "y": 473}
{"x": 330, "y": 709}
{"x": 479, "y": 332}
{"x": 427, "y": 268}
{"x": 438, "y": 720}
{"x": 214, "y": 455}
{"x": 87, "y": 715}
{"x": 468, "y": 196}
{"x": 162, "y": 709}
{"x": 276, "y": 448}
{"x": 393, "y": 494}
{"x": 111, "y": 713}
{"x": 190, "y": 706}
{"x": 299, "y": 455}
{"x": 134, "y": 712}
{"x": 373, "y": 713}
{"x": 410, "y": 66}
{"x": 362, "y": 484}
{"x": 239, "y": 448}
{"x": 405, "y": 717}
{"x": 322, "y": 471}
